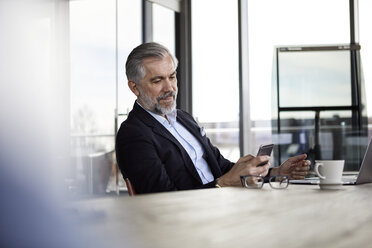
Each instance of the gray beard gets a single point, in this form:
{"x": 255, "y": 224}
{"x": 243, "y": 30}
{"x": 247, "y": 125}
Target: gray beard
{"x": 154, "y": 105}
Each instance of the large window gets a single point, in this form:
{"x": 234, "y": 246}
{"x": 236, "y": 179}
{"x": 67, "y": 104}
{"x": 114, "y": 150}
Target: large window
{"x": 129, "y": 36}
{"x": 102, "y": 33}
{"x": 164, "y": 27}
{"x": 216, "y": 72}
{"x": 365, "y": 39}
{"x": 307, "y": 79}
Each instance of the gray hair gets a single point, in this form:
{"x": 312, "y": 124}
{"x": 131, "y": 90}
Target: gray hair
{"x": 134, "y": 68}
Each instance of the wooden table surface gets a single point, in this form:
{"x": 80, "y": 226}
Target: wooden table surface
{"x": 300, "y": 216}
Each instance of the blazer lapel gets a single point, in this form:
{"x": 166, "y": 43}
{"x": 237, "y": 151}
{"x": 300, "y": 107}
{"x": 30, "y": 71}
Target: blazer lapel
{"x": 162, "y": 131}
{"x": 194, "y": 128}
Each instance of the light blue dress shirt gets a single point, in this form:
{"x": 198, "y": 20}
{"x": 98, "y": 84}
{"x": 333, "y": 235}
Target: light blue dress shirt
{"x": 189, "y": 143}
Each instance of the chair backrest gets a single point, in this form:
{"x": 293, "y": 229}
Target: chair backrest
{"x": 130, "y": 187}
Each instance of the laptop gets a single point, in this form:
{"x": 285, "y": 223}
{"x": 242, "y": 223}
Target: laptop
{"x": 364, "y": 175}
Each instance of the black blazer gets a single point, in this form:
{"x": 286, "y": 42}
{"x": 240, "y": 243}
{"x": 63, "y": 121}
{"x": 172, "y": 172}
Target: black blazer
{"x": 154, "y": 161}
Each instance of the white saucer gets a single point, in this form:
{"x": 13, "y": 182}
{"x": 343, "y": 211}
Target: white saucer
{"x": 330, "y": 186}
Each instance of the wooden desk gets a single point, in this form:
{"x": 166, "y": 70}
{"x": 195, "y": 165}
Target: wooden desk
{"x": 300, "y": 216}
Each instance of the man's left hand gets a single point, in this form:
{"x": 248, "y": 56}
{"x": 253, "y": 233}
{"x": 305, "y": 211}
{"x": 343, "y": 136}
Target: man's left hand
{"x": 295, "y": 167}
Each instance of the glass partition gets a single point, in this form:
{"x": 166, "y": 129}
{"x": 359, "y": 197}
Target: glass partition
{"x": 314, "y": 78}
{"x": 319, "y": 105}
{"x": 296, "y": 134}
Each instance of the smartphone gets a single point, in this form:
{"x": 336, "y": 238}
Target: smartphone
{"x": 265, "y": 150}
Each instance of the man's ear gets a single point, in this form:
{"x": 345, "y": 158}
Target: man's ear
{"x": 133, "y": 87}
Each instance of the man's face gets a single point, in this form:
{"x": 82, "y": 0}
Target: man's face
{"x": 158, "y": 90}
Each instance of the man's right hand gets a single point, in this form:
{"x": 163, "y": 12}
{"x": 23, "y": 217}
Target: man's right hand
{"x": 246, "y": 165}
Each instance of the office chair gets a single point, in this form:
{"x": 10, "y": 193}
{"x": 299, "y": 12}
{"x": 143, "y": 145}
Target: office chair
{"x": 130, "y": 187}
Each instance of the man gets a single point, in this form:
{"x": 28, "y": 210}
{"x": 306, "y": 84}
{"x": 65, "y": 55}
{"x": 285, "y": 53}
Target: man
{"x": 160, "y": 148}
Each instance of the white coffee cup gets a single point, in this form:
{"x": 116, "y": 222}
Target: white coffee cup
{"x": 329, "y": 171}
